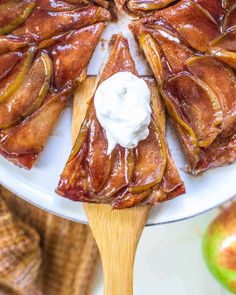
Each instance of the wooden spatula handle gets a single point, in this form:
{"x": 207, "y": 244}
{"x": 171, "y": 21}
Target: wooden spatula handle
{"x": 117, "y": 237}
{"x": 118, "y": 270}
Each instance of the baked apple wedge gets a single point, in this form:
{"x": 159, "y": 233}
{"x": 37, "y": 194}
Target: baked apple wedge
{"x": 199, "y": 90}
{"x": 190, "y": 98}
{"x": 70, "y": 55}
{"x": 12, "y": 81}
{"x": 7, "y": 62}
{"x": 13, "y": 13}
{"x": 43, "y": 24}
{"x": 121, "y": 176}
{"x": 222, "y": 80}
{"x": 29, "y": 96}
{"x": 11, "y": 44}
{"x": 23, "y": 143}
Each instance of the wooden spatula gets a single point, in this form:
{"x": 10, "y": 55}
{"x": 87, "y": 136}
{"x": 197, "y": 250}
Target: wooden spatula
{"x": 116, "y": 232}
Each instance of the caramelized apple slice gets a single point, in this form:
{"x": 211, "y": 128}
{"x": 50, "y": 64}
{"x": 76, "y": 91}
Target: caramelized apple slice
{"x": 30, "y": 136}
{"x": 73, "y": 180}
{"x": 7, "y": 62}
{"x": 153, "y": 56}
{"x": 72, "y": 53}
{"x": 197, "y": 105}
{"x": 229, "y": 20}
{"x": 121, "y": 172}
{"x": 99, "y": 161}
{"x": 55, "y": 5}
{"x": 150, "y": 161}
{"x": 177, "y": 117}
{"x": 146, "y": 5}
{"x": 228, "y": 57}
{"x": 187, "y": 135}
{"x": 12, "y": 82}
{"x": 29, "y": 96}
{"x": 173, "y": 51}
{"x": 11, "y": 44}
{"x": 222, "y": 81}
{"x": 43, "y": 24}
{"x": 214, "y": 7}
{"x": 13, "y": 13}
{"x": 184, "y": 18}
{"x": 226, "y": 41}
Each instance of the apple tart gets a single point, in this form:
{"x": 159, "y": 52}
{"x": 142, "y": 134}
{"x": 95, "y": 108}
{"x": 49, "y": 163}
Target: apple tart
{"x": 191, "y": 48}
{"x": 45, "y": 47}
{"x": 127, "y": 177}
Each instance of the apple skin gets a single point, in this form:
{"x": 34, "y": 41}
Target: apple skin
{"x": 219, "y": 248}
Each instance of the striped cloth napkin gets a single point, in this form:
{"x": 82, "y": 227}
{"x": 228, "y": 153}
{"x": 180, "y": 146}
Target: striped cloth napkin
{"x": 42, "y": 254}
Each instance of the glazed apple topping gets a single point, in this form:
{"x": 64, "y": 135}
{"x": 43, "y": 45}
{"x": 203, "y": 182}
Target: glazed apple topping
{"x": 45, "y": 48}
{"x": 190, "y": 47}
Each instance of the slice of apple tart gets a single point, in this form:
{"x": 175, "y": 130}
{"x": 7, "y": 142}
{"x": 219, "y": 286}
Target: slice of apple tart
{"x": 123, "y": 177}
{"x": 45, "y": 47}
{"x": 193, "y": 63}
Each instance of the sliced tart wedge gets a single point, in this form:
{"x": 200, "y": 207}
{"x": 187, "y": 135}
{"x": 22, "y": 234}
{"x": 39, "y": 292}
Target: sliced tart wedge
{"x": 126, "y": 177}
{"x": 43, "y": 24}
{"x": 72, "y": 52}
{"x": 193, "y": 61}
{"x": 36, "y": 79}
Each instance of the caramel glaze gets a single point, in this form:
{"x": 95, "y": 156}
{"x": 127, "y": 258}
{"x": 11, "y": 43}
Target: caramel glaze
{"x": 127, "y": 177}
{"x": 185, "y": 35}
{"x": 67, "y": 32}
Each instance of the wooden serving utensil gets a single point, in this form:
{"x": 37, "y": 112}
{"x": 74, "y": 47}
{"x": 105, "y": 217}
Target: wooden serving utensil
{"x": 117, "y": 232}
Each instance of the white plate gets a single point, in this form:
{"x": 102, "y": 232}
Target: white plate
{"x": 37, "y": 185}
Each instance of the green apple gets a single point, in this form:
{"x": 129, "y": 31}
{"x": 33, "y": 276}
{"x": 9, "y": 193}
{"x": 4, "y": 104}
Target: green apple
{"x": 219, "y": 248}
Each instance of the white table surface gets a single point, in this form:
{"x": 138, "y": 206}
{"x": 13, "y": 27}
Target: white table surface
{"x": 169, "y": 261}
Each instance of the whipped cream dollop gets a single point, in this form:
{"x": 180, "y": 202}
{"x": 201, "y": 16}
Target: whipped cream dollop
{"x": 122, "y": 104}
